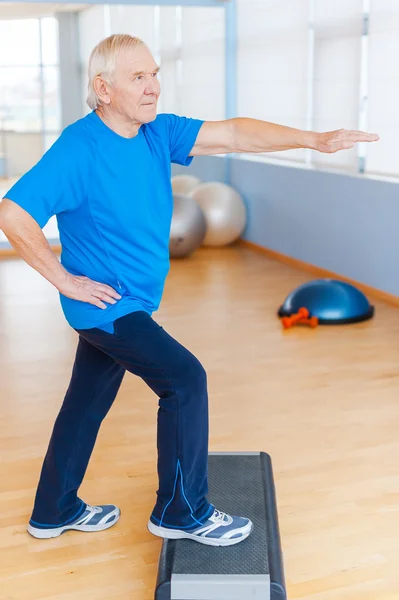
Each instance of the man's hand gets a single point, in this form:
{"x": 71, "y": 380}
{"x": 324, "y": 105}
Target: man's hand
{"x": 86, "y": 290}
{"x": 341, "y": 139}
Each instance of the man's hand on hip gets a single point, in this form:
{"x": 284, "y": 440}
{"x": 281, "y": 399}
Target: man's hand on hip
{"x": 87, "y": 290}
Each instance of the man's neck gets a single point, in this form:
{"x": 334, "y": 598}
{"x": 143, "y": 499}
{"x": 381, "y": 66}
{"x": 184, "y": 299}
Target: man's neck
{"x": 126, "y": 129}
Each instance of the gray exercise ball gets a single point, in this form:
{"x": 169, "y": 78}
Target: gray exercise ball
{"x": 224, "y": 211}
{"x": 184, "y": 184}
{"x": 188, "y": 227}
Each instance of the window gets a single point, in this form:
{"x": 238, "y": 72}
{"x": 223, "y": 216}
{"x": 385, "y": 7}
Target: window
{"x": 337, "y": 62}
{"x": 29, "y": 91}
{"x": 273, "y": 63}
{"x": 202, "y": 63}
{"x": 323, "y": 65}
{"x": 383, "y": 71}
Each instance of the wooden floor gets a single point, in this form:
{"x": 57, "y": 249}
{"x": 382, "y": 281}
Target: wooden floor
{"x": 324, "y": 403}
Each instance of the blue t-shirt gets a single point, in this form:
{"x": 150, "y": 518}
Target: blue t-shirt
{"x": 113, "y": 200}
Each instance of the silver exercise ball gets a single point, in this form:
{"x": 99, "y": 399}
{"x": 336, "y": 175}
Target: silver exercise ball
{"x": 224, "y": 212}
{"x": 188, "y": 227}
{"x": 184, "y": 184}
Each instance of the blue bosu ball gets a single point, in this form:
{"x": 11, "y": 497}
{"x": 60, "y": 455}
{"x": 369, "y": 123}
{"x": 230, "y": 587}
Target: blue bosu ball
{"x": 332, "y": 302}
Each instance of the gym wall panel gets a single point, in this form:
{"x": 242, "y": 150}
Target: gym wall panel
{"x": 342, "y": 223}
{"x": 207, "y": 168}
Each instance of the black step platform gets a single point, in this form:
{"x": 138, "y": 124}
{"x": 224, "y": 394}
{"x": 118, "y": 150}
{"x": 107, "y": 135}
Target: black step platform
{"x": 239, "y": 484}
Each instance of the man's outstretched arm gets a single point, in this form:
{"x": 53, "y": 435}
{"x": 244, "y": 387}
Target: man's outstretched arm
{"x": 244, "y": 135}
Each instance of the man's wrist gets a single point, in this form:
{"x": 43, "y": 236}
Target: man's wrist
{"x": 311, "y": 140}
{"x": 58, "y": 277}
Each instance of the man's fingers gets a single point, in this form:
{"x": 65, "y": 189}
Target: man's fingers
{"x": 96, "y": 302}
{"x": 344, "y": 139}
{"x": 104, "y": 296}
{"x": 106, "y": 289}
{"x": 357, "y": 136}
{"x": 361, "y": 136}
{"x": 111, "y": 292}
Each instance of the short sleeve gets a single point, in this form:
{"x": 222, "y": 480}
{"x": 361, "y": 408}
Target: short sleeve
{"x": 57, "y": 183}
{"x": 182, "y": 134}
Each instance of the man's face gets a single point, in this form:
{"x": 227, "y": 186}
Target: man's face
{"x": 135, "y": 88}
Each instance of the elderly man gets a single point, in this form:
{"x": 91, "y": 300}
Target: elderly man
{"x": 107, "y": 178}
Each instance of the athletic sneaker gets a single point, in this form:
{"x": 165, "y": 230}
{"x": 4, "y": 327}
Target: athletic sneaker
{"x": 218, "y": 530}
{"x": 94, "y": 518}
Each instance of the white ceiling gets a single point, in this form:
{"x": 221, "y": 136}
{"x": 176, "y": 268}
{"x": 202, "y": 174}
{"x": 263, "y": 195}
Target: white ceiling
{"x": 23, "y": 10}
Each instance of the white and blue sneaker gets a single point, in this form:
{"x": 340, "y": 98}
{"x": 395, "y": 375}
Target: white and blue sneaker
{"x": 219, "y": 530}
{"x": 94, "y": 518}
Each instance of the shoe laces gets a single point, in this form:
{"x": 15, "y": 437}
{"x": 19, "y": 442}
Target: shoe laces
{"x": 219, "y": 515}
{"x": 94, "y": 509}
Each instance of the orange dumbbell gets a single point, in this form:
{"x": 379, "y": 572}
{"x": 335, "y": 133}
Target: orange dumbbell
{"x": 288, "y": 322}
{"x": 312, "y": 322}
{"x": 302, "y": 317}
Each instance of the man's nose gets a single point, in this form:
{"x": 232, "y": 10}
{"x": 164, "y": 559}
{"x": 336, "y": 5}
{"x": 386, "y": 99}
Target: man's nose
{"x": 152, "y": 86}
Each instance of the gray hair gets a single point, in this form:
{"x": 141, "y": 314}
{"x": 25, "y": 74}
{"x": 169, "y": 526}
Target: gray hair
{"x": 103, "y": 61}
